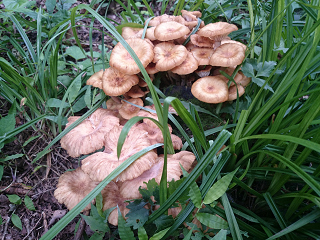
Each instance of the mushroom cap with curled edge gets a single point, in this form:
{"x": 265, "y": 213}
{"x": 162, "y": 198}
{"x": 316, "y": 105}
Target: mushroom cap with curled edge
{"x": 135, "y": 92}
{"x": 204, "y": 71}
{"x": 72, "y": 187}
{"x": 190, "y": 16}
{"x": 201, "y": 41}
{"x": 217, "y": 31}
{"x": 167, "y": 55}
{"x": 150, "y": 34}
{"x": 233, "y": 92}
{"x": 224, "y": 41}
{"x": 130, "y": 189}
{"x": 112, "y": 198}
{"x": 88, "y": 136}
{"x": 112, "y": 104}
{"x": 130, "y": 32}
{"x": 99, "y": 165}
{"x": 96, "y": 79}
{"x": 121, "y": 60}
{"x": 227, "y": 55}
{"x": 210, "y": 89}
{"x": 170, "y": 30}
{"x": 116, "y": 83}
{"x": 189, "y": 65}
{"x": 128, "y": 110}
{"x": 151, "y": 68}
{"x": 244, "y": 80}
{"x": 203, "y": 55}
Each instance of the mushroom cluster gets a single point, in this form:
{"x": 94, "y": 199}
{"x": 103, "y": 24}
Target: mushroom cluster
{"x": 102, "y": 129}
{"x": 165, "y": 48}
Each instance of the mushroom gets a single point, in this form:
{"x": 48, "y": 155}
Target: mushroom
{"x": 72, "y": 187}
{"x": 204, "y": 71}
{"x": 96, "y": 79}
{"x": 170, "y": 30}
{"x": 227, "y": 55}
{"x": 130, "y": 32}
{"x": 101, "y": 164}
{"x": 135, "y": 92}
{"x": 128, "y": 110}
{"x": 201, "y": 41}
{"x": 88, "y": 136}
{"x": 167, "y": 55}
{"x": 121, "y": 60}
{"x": 210, "y": 89}
{"x": 203, "y": 55}
{"x": 233, "y": 92}
{"x": 189, "y": 65}
{"x": 116, "y": 83}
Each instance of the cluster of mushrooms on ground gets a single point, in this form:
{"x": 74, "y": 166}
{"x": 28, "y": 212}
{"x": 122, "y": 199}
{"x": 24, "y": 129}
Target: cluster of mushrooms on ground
{"x": 165, "y": 47}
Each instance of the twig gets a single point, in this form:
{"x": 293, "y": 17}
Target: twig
{"x": 32, "y": 228}
{"x": 5, "y": 228}
{"x": 45, "y": 223}
{"x": 81, "y": 227}
{"x": 27, "y": 224}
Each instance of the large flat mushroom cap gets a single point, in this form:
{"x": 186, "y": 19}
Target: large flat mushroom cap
{"x": 116, "y": 83}
{"x": 210, "y": 89}
{"x": 88, "y": 136}
{"x": 122, "y": 60}
{"x": 228, "y": 55}
{"x": 101, "y": 164}
{"x": 170, "y": 30}
{"x": 72, "y": 187}
{"x": 167, "y": 55}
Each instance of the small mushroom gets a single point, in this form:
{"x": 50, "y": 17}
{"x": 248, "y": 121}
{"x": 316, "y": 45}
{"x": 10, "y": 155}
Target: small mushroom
{"x": 130, "y": 32}
{"x": 96, "y": 79}
{"x": 233, "y": 92}
{"x": 170, "y": 30}
{"x": 128, "y": 110}
{"x": 227, "y": 55}
{"x": 121, "y": 60}
{"x": 189, "y": 65}
{"x": 72, "y": 187}
{"x": 201, "y": 41}
{"x": 203, "y": 55}
{"x": 210, "y": 89}
{"x": 167, "y": 55}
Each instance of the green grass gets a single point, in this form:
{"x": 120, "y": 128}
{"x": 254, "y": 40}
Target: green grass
{"x": 273, "y": 141}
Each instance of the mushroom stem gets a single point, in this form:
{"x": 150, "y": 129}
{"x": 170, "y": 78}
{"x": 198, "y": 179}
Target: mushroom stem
{"x": 116, "y": 99}
{"x": 216, "y": 45}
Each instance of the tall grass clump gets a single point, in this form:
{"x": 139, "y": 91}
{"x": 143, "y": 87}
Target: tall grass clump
{"x": 265, "y": 182}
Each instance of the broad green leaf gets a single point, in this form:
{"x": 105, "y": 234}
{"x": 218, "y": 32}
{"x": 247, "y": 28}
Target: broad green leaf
{"x": 29, "y": 204}
{"x": 95, "y": 224}
{"x": 260, "y": 82}
{"x": 219, "y": 188}
{"x": 16, "y": 221}
{"x": 57, "y": 103}
{"x": 15, "y": 199}
{"x": 124, "y": 231}
{"x": 50, "y": 5}
{"x": 212, "y": 221}
{"x": 75, "y": 52}
{"x": 221, "y": 235}
{"x": 142, "y": 234}
{"x": 195, "y": 195}
{"x": 159, "y": 235}
{"x": 74, "y": 89}
{"x": 97, "y": 236}
{"x": 264, "y": 69}
{"x": 188, "y": 236}
{"x": 8, "y": 122}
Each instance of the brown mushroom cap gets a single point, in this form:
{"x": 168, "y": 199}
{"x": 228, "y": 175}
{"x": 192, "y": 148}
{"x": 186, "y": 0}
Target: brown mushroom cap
{"x": 189, "y": 65}
{"x": 88, "y": 136}
{"x": 210, "y": 89}
{"x": 96, "y": 79}
{"x": 121, "y": 60}
{"x": 128, "y": 110}
{"x": 116, "y": 83}
{"x": 224, "y": 41}
{"x": 167, "y": 55}
{"x": 72, "y": 187}
{"x": 101, "y": 164}
{"x": 203, "y": 55}
{"x": 113, "y": 198}
{"x": 170, "y": 30}
{"x": 227, "y": 55}
{"x": 201, "y": 41}
{"x": 135, "y": 92}
{"x": 217, "y": 31}
{"x": 233, "y": 92}
{"x": 130, "y": 32}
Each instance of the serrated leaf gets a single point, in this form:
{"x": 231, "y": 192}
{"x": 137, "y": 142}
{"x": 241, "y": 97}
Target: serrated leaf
{"x": 163, "y": 222}
{"x": 195, "y": 195}
{"x": 142, "y": 234}
{"x": 95, "y": 224}
{"x": 16, "y": 221}
{"x": 212, "y": 221}
{"x": 221, "y": 235}
{"x": 15, "y": 199}
{"x": 219, "y": 188}
{"x": 29, "y": 204}
{"x": 74, "y": 89}
{"x": 248, "y": 69}
{"x": 57, "y": 103}
{"x": 260, "y": 83}
{"x": 75, "y": 52}
{"x": 8, "y": 122}
{"x": 137, "y": 215}
{"x": 124, "y": 231}
{"x": 87, "y": 97}
{"x": 264, "y": 69}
